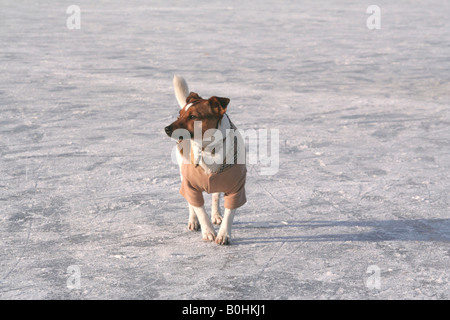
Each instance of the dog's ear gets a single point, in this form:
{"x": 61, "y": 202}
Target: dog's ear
{"x": 192, "y": 96}
{"x": 219, "y": 103}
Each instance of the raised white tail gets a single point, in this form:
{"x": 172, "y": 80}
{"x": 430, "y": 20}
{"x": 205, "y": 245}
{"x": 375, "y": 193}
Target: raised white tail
{"x": 181, "y": 90}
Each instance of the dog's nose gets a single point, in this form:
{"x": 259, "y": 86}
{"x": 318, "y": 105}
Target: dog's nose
{"x": 168, "y": 130}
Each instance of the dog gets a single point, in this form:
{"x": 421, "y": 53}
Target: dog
{"x": 211, "y": 157}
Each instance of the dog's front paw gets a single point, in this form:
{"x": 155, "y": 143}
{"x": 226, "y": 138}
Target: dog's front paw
{"x": 223, "y": 239}
{"x": 209, "y": 235}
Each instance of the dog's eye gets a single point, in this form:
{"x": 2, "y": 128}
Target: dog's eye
{"x": 191, "y": 117}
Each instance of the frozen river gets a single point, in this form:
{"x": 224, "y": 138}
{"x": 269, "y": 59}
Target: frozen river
{"x": 89, "y": 202}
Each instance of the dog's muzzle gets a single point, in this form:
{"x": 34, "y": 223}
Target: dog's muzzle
{"x": 169, "y": 131}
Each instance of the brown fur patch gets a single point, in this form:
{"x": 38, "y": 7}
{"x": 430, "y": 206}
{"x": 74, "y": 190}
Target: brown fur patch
{"x": 209, "y": 112}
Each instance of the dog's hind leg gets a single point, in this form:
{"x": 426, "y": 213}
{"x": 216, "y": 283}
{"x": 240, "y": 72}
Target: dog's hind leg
{"x": 216, "y": 218}
{"x": 224, "y": 235}
{"x": 193, "y": 223}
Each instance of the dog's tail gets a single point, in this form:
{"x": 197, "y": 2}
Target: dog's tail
{"x": 181, "y": 90}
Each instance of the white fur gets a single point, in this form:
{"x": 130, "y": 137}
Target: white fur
{"x": 208, "y": 232}
{"x": 197, "y": 215}
{"x": 181, "y": 90}
{"x": 204, "y": 149}
{"x": 216, "y": 218}
{"x": 224, "y": 235}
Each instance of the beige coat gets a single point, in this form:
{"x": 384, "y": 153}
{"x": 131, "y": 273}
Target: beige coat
{"x": 231, "y": 182}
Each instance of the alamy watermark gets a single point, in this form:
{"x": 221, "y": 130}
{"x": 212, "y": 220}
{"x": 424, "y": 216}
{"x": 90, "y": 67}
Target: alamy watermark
{"x": 374, "y": 20}
{"x": 374, "y": 280}
{"x": 74, "y": 279}
{"x": 74, "y": 20}
{"x": 257, "y": 149}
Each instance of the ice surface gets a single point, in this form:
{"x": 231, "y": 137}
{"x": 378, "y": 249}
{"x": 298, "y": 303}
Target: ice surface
{"x": 363, "y": 116}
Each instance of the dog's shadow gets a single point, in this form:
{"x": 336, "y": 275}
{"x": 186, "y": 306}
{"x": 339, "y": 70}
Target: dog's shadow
{"x": 437, "y": 230}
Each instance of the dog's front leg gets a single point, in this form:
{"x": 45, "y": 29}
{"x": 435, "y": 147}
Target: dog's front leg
{"x": 224, "y": 235}
{"x": 208, "y": 232}
{"x": 216, "y": 218}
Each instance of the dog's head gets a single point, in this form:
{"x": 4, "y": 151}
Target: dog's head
{"x": 208, "y": 111}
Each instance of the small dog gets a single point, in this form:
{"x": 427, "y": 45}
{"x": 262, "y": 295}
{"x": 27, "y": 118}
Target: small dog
{"x": 211, "y": 157}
